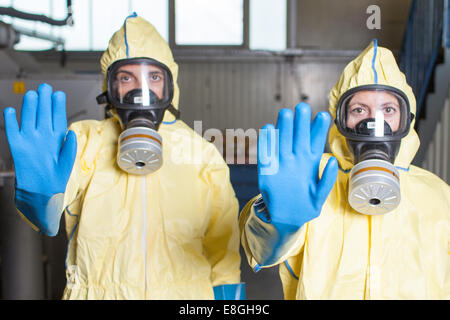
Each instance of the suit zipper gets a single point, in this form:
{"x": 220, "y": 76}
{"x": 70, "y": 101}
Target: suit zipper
{"x": 144, "y": 232}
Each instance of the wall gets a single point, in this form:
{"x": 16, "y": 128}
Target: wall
{"x": 80, "y": 90}
{"x": 330, "y": 24}
{"x": 437, "y": 158}
{"x": 248, "y": 94}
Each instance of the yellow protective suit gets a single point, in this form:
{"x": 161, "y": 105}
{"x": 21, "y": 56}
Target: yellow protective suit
{"x": 343, "y": 254}
{"x": 172, "y": 234}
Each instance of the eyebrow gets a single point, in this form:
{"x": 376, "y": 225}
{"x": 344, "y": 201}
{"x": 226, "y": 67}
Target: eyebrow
{"x": 356, "y": 102}
{"x": 365, "y": 105}
{"x": 125, "y": 71}
{"x": 133, "y": 74}
{"x": 392, "y": 102}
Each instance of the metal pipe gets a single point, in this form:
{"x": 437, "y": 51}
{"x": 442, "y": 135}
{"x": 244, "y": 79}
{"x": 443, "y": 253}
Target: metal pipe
{"x": 446, "y": 28}
{"x": 35, "y": 34}
{"x": 226, "y": 55}
{"x": 291, "y": 24}
{"x": 205, "y": 54}
{"x": 319, "y": 53}
{"x": 7, "y": 174}
{"x": 8, "y": 36}
{"x": 10, "y": 11}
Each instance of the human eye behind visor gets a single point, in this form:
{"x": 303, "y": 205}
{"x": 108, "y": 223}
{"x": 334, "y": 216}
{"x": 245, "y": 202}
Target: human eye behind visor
{"x": 139, "y": 82}
{"x": 125, "y": 77}
{"x": 356, "y": 112}
{"x": 375, "y": 113}
{"x": 156, "y": 76}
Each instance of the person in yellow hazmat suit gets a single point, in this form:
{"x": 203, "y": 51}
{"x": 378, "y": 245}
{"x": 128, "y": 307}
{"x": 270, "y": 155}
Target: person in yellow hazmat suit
{"x": 361, "y": 222}
{"x": 150, "y": 211}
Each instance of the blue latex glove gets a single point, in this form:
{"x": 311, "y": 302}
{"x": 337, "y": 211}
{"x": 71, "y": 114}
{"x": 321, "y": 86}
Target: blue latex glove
{"x": 230, "y": 292}
{"x": 43, "y": 156}
{"x": 288, "y": 173}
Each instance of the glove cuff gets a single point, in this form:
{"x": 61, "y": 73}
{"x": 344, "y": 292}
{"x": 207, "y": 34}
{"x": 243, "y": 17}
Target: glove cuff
{"x": 42, "y": 212}
{"x": 235, "y": 291}
{"x": 269, "y": 244}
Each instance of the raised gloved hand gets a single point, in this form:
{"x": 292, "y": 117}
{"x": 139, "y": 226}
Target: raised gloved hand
{"x": 293, "y": 193}
{"x": 288, "y": 177}
{"x": 43, "y": 156}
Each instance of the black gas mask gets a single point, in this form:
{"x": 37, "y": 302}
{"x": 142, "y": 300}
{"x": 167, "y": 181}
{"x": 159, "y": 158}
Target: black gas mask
{"x": 140, "y": 90}
{"x": 374, "y": 119}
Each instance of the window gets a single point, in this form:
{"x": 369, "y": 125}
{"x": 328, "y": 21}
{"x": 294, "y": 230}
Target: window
{"x": 267, "y": 25}
{"x": 94, "y": 21}
{"x": 34, "y": 7}
{"x": 247, "y": 24}
{"x": 209, "y": 22}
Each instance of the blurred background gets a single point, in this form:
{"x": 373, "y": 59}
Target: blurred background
{"x": 240, "y": 62}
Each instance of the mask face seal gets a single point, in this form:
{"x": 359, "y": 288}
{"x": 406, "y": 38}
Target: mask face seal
{"x": 140, "y": 90}
{"x": 374, "y": 119}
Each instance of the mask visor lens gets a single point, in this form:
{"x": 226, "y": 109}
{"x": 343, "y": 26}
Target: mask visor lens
{"x": 141, "y": 83}
{"x": 373, "y": 113}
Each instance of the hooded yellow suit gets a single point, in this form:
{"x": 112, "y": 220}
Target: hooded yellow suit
{"x": 172, "y": 234}
{"x": 343, "y": 254}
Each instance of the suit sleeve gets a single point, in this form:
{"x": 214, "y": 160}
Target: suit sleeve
{"x": 260, "y": 239}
